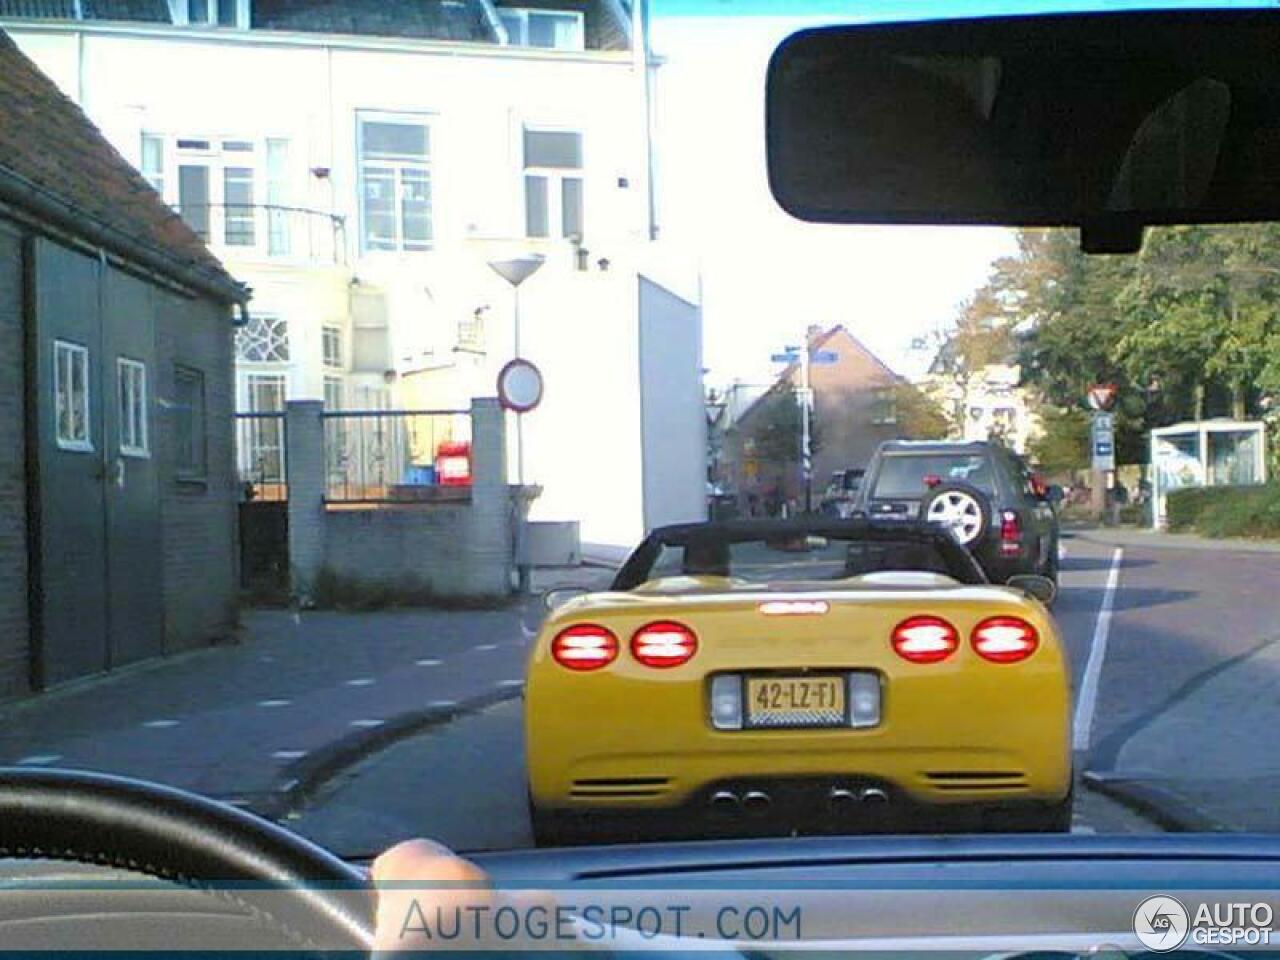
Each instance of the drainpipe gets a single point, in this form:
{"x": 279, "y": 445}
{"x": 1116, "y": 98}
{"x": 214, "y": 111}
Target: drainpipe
{"x": 640, "y": 58}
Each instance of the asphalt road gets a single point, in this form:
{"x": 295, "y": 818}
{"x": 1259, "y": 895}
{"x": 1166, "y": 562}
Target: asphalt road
{"x": 1142, "y": 626}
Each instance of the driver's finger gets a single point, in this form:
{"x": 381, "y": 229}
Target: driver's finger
{"x": 426, "y": 862}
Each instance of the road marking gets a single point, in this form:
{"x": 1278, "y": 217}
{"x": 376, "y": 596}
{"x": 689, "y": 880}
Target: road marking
{"x": 39, "y": 759}
{"x": 274, "y": 703}
{"x": 428, "y": 663}
{"x": 443, "y": 703}
{"x": 160, "y": 724}
{"x": 1062, "y": 550}
{"x": 511, "y": 683}
{"x": 367, "y": 724}
{"x": 1087, "y": 701}
{"x": 360, "y": 682}
{"x": 528, "y": 634}
{"x": 485, "y": 647}
{"x": 289, "y": 754}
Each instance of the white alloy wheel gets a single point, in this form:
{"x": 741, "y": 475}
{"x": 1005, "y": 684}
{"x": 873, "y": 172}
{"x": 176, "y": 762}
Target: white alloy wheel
{"x": 958, "y": 511}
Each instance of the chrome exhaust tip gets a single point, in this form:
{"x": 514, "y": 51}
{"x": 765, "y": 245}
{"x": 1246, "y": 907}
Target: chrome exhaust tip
{"x": 839, "y": 799}
{"x": 724, "y": 800}
{"x": 873, "y": 795}
{"x": 756, "y": 801}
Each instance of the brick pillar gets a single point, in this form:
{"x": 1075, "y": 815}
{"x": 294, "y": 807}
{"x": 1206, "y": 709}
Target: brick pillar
{"x": 490, "y": 556}
{"x": 304, "y": 471}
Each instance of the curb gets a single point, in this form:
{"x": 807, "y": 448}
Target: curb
{"x": 1158, "y": 804}
{"x": 301, "y": 780}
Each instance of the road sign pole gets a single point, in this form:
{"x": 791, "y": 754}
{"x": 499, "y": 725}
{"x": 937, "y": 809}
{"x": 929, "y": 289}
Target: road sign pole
{"x": 806, "y": 464}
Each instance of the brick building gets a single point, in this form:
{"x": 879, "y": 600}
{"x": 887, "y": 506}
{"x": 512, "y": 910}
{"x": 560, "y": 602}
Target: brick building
{"x": 856, "y": 407}
{"x": 117, "y": 510}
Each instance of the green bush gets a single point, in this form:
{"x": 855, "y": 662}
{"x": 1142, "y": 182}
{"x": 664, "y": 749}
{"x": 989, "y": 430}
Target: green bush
{"x": 1227, "y": 511}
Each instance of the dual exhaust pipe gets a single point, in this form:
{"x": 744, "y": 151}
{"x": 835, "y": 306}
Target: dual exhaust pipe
{"x": 839, "y": 800}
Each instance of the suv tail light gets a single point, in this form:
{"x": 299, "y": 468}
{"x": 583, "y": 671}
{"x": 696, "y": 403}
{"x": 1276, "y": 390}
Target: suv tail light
{"x": 1010, "y": 533}
{"x": 1005, "y": 639}
{"x": 663, "y": 644}
{"x": 584, "y": 646}
{"x": 925, "y": 639}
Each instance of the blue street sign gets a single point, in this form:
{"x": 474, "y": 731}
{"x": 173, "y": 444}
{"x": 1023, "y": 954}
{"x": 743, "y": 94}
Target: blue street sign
{"x": 785, "y": 357}
{"x": 824, "y": 357}
{"x": 1102, "y": 449}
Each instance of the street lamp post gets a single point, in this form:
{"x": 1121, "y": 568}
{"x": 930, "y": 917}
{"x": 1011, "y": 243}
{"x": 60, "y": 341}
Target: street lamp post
{"x": 516, "y": 270}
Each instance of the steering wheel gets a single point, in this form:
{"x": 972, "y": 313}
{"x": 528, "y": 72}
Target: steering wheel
{"x": 186, "y": 839}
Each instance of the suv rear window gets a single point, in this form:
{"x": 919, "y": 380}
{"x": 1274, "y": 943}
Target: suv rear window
{"x": 903, "y": 474}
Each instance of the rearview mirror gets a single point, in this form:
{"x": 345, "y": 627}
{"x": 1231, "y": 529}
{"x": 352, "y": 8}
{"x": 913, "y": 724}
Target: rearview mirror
{"x": 557, "y": 597}
{"x": 1042, "y": 588}
{"x": 1105, "y": 121}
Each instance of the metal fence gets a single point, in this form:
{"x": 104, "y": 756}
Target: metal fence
{"x": 268, "y": 230}
{"x": 388, "y": 456}
{"x": 260, "y": 455}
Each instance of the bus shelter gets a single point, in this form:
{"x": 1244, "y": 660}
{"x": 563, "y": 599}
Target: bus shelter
{"x": 1205, "y": 453}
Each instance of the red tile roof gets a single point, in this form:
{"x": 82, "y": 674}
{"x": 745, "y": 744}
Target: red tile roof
{"x": 54, "y": 161}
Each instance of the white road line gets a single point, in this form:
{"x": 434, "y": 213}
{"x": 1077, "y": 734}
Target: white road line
{"x": 360, "y": 682}
{"x": 366, "y": 724}
{"x": 443, "y": 703}
{"x": 274, "y": 703}
{"x": 289, "y": 754}
{"x": 1087, "y": 701}
{"x": 485, "y": 647}
{"x": 160, "y": 724}
{"x": 39, "y": 759}
{"x": 428, "y": 663}
{"x": 511, "y": 683}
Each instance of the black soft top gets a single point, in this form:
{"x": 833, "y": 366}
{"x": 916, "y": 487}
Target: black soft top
{"x": 960, "y": 564}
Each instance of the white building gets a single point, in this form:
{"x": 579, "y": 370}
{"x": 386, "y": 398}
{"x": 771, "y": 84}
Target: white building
{"x": 359, "y": 163}
{"x": 989, "y": 404}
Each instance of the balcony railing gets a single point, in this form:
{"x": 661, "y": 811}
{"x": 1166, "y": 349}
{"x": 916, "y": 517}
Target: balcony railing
{"x": 270, "y": 232}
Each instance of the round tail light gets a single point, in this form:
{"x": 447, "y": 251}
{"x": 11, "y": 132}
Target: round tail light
{"x": 925, "y": 639}
{"x": 584, "y": 646}
{"x": 664, "y": 644}
{"x": 1004, "y": 639}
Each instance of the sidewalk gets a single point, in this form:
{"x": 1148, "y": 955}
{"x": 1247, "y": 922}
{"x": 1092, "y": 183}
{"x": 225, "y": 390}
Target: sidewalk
{"x": 261, "y": 722}
{"x": 1145, "y": 537}
{"x": 1206, "y": 759}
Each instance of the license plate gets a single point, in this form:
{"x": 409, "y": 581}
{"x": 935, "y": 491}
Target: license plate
{"x": 806, "y": 701}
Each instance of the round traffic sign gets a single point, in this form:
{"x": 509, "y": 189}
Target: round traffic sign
{"x": 519, "y": 386}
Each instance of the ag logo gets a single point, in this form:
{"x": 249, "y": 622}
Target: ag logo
{"x": 1161, "y": 923}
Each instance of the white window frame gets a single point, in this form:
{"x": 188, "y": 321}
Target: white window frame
{"x": 338, "y": 383}
{"x": 522, "y": 14}
{"x": 181, "y": 13}
{"x": 555, "y": 177}
{"x": 154, "y": 177}
{"x": 135, "y": 440}
{"x": 331, "y": 333}
{"x": 279, "y": 327}
{"x": 399, "y": 167}
{"x": 73, "y": 353}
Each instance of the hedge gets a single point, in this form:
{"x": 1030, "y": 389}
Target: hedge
{"x": 1226, "y": 511}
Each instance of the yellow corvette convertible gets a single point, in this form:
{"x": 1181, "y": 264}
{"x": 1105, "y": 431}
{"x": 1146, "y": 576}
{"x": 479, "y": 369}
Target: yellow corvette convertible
{"x": 803, "y": 675}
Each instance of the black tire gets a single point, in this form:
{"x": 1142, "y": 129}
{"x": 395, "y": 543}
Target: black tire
{"x": 982, "y": 501}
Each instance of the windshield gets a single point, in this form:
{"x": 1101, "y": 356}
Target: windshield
{"x": 375, "y": 324}
{"x": 911, "y": 475}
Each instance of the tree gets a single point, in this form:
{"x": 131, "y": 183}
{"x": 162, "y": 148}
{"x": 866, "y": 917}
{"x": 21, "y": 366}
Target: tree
{"x": 775, "y": 427}
{"x": 919, "y": 418}
{"x": 1063, "y": 444}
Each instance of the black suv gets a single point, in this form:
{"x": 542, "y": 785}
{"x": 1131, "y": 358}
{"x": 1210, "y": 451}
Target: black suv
{"x": 996, "y": 507}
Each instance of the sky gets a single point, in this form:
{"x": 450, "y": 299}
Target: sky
{"x": 765, "y": 275}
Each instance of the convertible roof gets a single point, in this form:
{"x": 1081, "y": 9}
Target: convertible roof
{"x": 815, "y": 526}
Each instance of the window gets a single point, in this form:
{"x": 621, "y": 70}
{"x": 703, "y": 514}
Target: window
{"x": 71, "y": 395}
{"x": 238, "y": 212}
{"x": 132, "y": 378}
{"x": 189, "y": 422}
{"x": 278, "y": 198}
{"x": 264, "y": 339}
{"x": 550, "y": 29}
{"x": 331, "y": 341}
{"x": 395, "y": 185}
{"x": 553, "y": 183}
{"x": 261, "y": 454}
{"x": 333, "y": 393}
{"x": 884, "y": 406}
{"x": 153, "y": 161}
{"x": 220, "y": 13}
{"x": 193, "y": 197}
